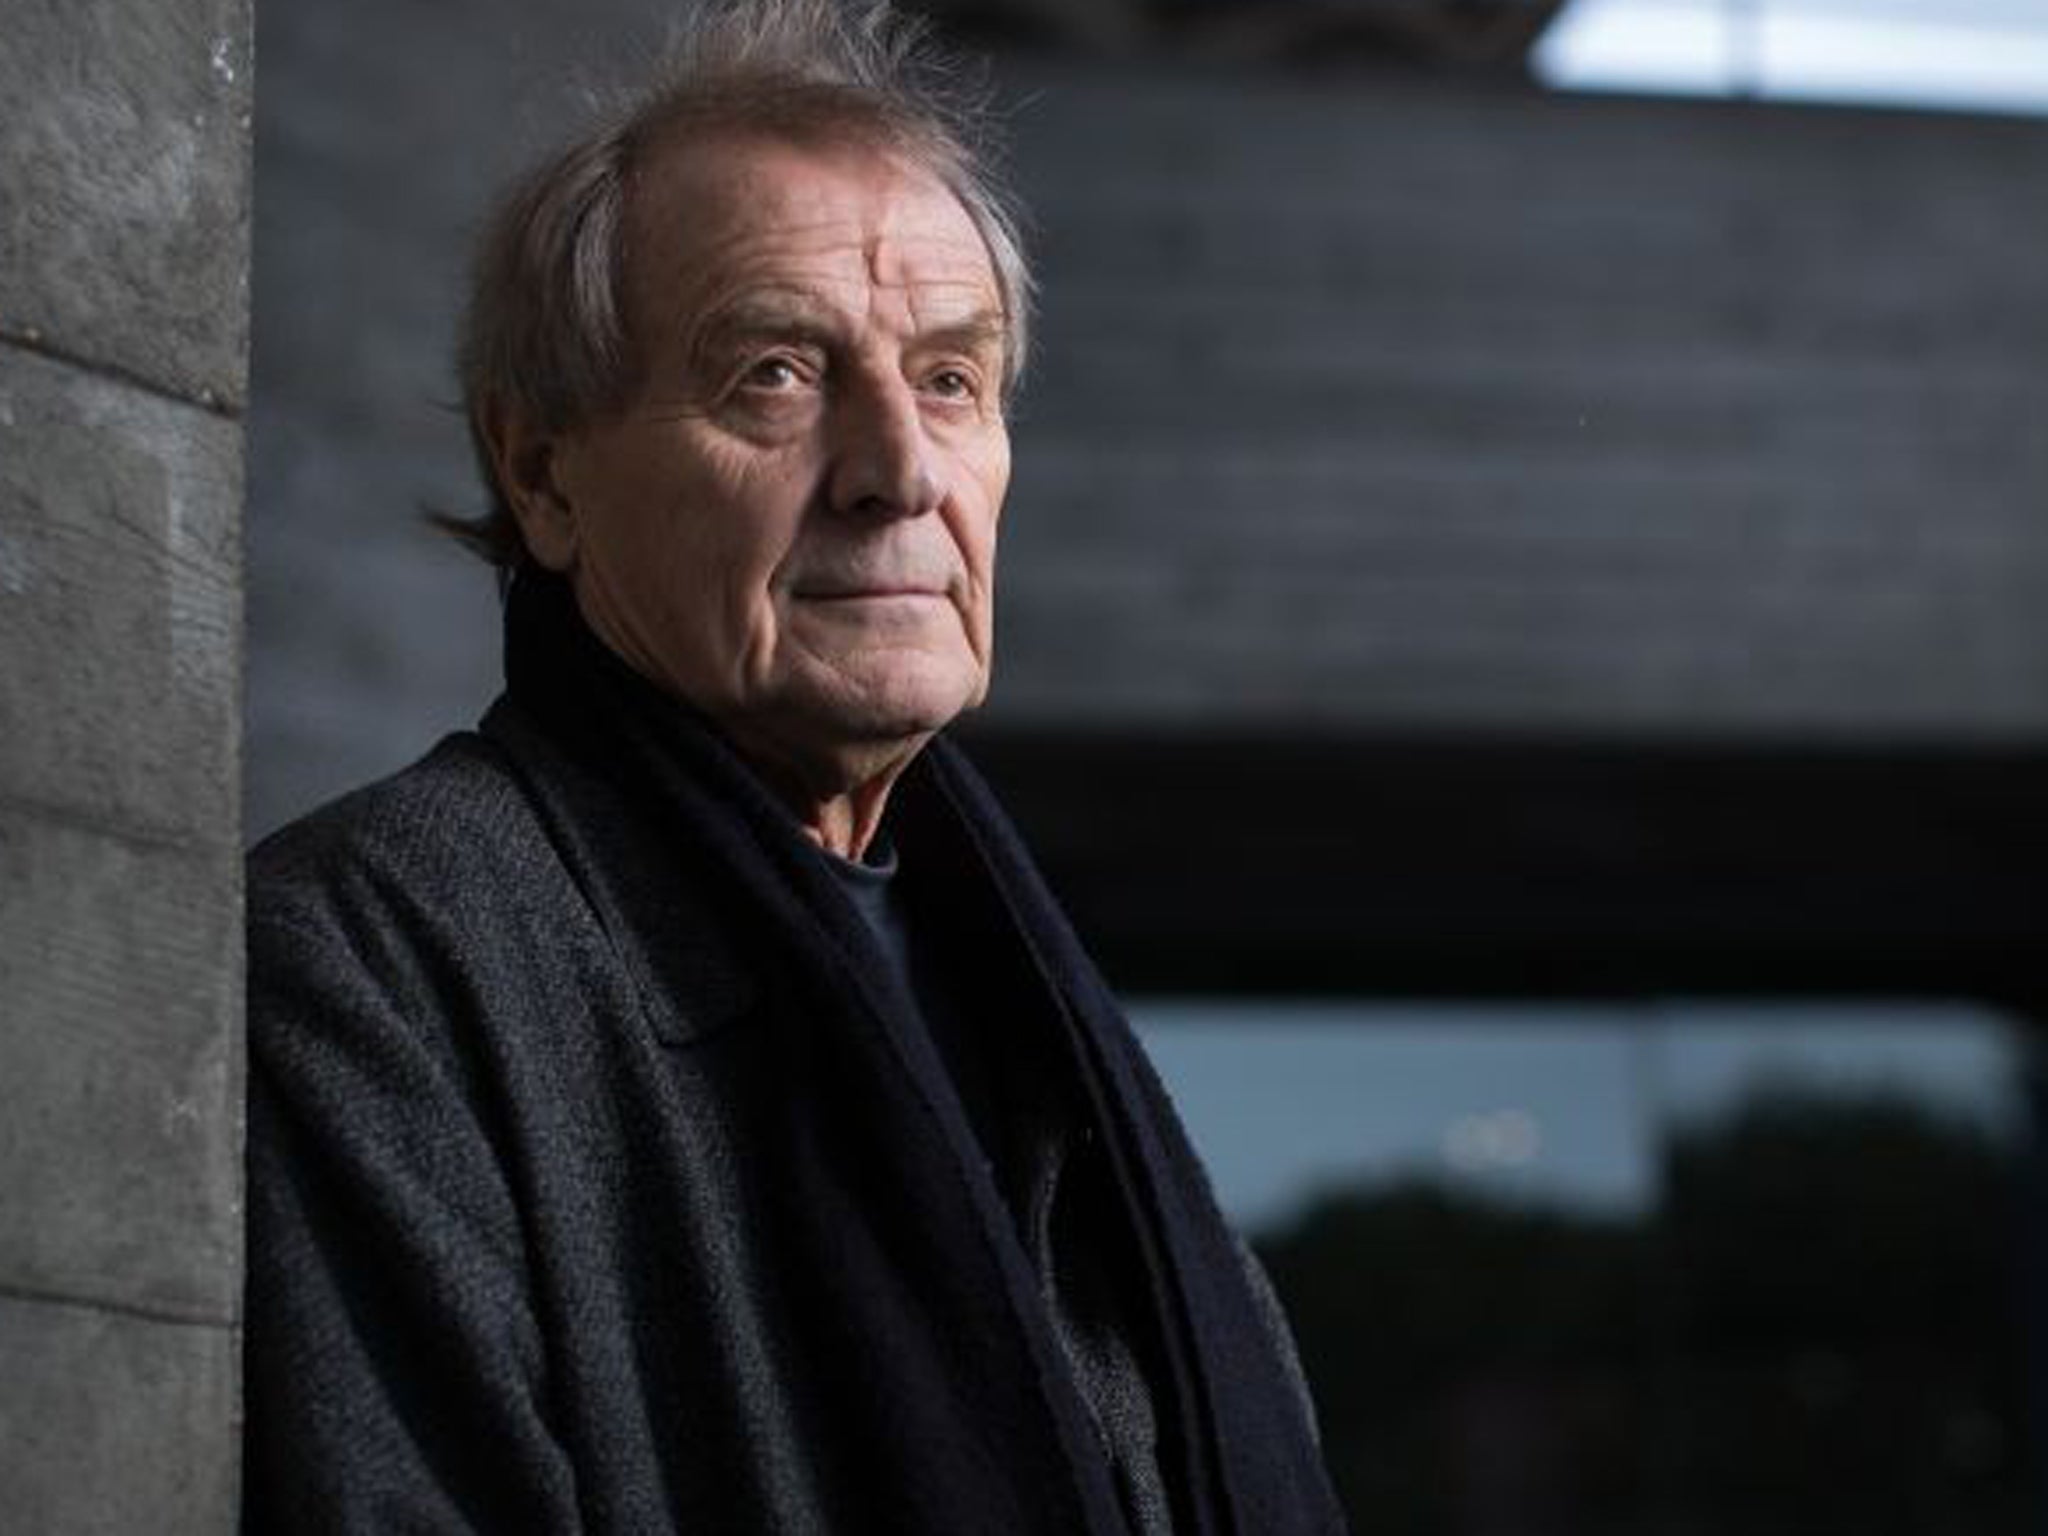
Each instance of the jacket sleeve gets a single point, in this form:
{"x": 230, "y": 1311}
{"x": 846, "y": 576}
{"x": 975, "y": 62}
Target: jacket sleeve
{"x": 394, "y": 1367}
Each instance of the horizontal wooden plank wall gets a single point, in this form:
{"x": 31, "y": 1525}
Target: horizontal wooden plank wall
{"x": 1478, "y": 542}
{"x": 1370, "y": 402}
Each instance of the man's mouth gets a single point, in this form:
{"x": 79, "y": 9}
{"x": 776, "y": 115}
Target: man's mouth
{"x": 876, "y": 591}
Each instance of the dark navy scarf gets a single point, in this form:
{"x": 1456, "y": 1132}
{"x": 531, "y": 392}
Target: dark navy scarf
{"x": 1233, "y": 1437}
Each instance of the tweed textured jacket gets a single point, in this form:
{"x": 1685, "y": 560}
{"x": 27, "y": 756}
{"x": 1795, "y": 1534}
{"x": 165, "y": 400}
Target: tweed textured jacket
{"x": 600, "y": 1180}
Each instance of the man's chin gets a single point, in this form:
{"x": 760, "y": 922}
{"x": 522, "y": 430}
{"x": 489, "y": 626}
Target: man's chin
{"x": 888, "y": 698}
{"x": 879, "y": 720}
{"x": 867, "y": 732}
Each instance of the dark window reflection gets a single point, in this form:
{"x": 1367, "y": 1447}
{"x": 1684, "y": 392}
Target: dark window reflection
{"x": 1733, "y": 1269}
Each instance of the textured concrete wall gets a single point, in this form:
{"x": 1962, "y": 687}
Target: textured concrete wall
{"x": 1372, "y": 404}
{"x": 123, "y": 301}
{"x": 1385, "y": 406}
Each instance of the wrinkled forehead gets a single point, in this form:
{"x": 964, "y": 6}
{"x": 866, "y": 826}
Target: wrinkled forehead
{"x": 714, "y": 218}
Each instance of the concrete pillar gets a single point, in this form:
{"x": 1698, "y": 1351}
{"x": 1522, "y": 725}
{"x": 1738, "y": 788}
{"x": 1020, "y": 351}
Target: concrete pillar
{"x": 124, "y": 216}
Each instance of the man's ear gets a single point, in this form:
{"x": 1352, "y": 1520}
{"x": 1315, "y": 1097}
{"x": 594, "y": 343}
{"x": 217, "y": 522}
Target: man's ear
{"x": 524, "y": 456}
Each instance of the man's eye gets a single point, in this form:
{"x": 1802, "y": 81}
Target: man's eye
{"x": 774, "y": 373}
{"x": 954, "y": 384}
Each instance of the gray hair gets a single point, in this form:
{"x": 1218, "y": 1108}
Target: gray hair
{"x": 544, "y": 336}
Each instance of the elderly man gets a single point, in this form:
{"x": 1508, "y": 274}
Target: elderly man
{"x": 677, "y": 1105}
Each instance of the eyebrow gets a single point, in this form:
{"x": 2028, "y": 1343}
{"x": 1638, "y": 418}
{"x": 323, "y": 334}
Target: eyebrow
{"x": 983, "y": 328}
{"x": 757, "y": 318}
{"x": 793, "y": 318}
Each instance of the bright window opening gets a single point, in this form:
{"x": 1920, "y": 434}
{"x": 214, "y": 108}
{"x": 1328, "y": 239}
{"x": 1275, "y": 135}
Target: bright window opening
{"x": 1965, "y": 55}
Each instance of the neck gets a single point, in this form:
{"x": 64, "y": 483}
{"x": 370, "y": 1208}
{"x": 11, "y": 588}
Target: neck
{"x": 846, "y": 825}
{"x": 838, "y": 799}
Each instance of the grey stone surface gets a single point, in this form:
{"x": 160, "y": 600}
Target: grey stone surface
{"x": 123, "y": 327}
{"x": 110, "y": 1425}
{"x": 119, "y": 601}
{"x": 120, "y": 1094}
{"x": 124, "y": 154}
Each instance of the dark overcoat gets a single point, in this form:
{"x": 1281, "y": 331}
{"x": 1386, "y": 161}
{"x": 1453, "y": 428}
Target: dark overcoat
{"x": 596, "y": 1185}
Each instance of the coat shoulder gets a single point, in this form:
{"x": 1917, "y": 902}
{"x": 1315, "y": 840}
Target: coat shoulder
{"x": 458, "y": 816}
{"x": 442, "y": 871}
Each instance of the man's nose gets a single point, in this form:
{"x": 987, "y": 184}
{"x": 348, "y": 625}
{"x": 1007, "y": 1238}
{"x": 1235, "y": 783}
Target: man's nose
{"x": 882, "y": 460}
